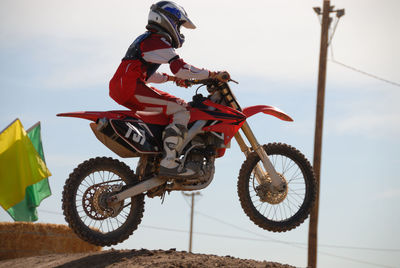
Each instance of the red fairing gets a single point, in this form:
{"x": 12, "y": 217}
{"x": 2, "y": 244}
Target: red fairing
{"x": 222, "y": 112}
{"x": 149, "y": 117}
{"x": 252, "y": 110}
{"x": 228, "y": 120}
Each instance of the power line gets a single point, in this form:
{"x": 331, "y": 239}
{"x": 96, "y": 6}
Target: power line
{"x": 243, "y": 230}
{"x": 269, "y": 239}
{"x": 355, "y": 260}
{"x": 339, "y": 15}
{"x": 358, "y": 70}
{"x": 275, "y": 241}
{"x": 365, "y": 73}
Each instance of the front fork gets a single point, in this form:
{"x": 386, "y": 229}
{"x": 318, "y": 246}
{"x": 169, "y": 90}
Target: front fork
{"x": 261, "y": 176}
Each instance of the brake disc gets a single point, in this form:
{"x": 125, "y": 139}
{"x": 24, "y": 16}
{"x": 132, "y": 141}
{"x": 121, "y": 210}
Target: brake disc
{"x": 267, "y": 194}
{"x": 95, "y": 204}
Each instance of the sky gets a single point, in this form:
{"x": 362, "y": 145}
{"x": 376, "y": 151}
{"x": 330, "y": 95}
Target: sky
{"x": 58, "y": 56}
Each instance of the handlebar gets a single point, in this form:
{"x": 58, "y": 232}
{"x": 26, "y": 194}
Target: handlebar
{"x": 207, "y": 81}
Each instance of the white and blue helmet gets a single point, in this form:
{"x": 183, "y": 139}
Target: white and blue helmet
{"x": 168, "y": 17}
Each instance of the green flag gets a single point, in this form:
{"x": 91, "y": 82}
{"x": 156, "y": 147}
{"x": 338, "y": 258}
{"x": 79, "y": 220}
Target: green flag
{"x": 26, "y": 209}
{"x": 23, "y": 173}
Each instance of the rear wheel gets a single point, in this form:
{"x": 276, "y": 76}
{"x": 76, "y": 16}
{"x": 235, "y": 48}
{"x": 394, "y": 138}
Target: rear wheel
{"x": 278, "y": 211}
{"x": 85, "y": 204}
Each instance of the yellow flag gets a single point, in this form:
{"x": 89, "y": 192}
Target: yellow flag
{"x": 20, "y": 165}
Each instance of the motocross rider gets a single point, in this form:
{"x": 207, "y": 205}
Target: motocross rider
{"x": 156, "y": 46}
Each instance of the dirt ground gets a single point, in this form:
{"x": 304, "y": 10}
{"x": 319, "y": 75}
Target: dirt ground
{"x": 136, "y": 258}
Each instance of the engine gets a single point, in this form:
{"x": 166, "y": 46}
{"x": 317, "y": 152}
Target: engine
{"x": 199, "y": 155}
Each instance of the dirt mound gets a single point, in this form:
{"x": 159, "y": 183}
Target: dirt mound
{"x": 136, "y": 258}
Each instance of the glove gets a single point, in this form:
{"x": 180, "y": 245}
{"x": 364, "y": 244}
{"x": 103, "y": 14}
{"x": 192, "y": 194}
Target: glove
{"x": 223, "y": 76}
{"x": 181, "y": 82}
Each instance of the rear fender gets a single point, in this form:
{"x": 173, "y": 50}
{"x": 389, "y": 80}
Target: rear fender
{"x": 148, "y": 117}
{"x": 252, "y": 110}
{"x": 93, "y": 116}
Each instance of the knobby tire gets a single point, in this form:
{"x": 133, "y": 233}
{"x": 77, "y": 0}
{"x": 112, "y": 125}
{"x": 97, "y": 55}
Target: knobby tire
{"x": 94, "y": 235}
{"x": 244, "y": 185}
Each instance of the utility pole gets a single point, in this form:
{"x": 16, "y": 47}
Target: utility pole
{"x": 312, "y": 233}
{"x": 326, "y": 21}
{"x": 191, "y": 218}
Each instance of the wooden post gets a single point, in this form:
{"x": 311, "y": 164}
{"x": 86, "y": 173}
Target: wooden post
{"x": 191, "y": 224}
{"x": 191, "y": 218}
{"x": 313, "y": 228}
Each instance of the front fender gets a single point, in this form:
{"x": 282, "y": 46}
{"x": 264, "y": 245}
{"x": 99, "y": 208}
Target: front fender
{"x": 252, "y": 110}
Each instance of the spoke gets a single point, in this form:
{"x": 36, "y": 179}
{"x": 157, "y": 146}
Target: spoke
{"x": 112, "y": 176}
{"x": 111, "y": 224}
{"x": 280, "y": 210}
{"x": 85, "y": 183}
{"x": 98, "y": 175}
{"x": 123, "y": 218}
{"x": 286, "y": 203}
{"x": 284, "y": 209}
{"x": 259, "y": 205}
{"x": 90, "y": 176}
{"x": 269, "y": 211}
{"x": 101, "y": 225}
{"x": 253, "y": 195}
{"x": 296, "y": 194}
{"x": 119, "y": 223}
{"x": 80, "y": 191}
{"x": 265, "y": 209}
{"x": 293, "y": 200}
{"x": 125, "y": 215}
{"x": 284, "y": 162}
{"x": 290, "y": 166}
{"x": 274, "y": 157}
{"x": 82, "y": 210}
{"x": 296, "y": 204}
{"x": 291, "y": 183}
{"x": 274, "y": 215}
{"x": 297, "y": 174}
{"x": 299, "y": 189}
{"x": 108, "y": 226}
{"x": 90, "y": 223}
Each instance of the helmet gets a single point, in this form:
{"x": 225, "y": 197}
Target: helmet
{"x": 167, "y": 17}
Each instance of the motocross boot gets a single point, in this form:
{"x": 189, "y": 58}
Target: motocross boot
{"x": 174, "y": 135}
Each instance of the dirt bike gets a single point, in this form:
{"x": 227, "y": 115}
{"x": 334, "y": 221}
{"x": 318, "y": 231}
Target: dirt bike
{"x": 103, "y": 199}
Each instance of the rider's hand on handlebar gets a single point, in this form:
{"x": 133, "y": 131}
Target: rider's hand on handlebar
{"x": 181, "y": 82}
{"x": 222, "y": 76}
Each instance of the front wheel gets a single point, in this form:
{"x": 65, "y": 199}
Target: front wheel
{"x": 283, "y": 211}
{"x": 85, "y": 206}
